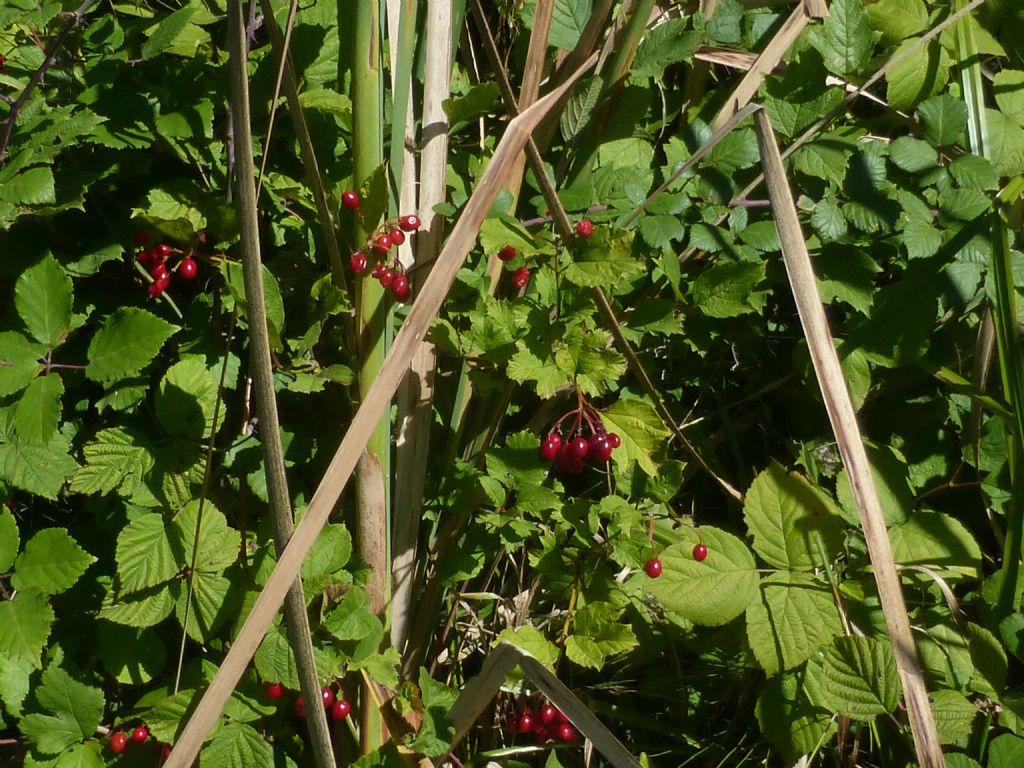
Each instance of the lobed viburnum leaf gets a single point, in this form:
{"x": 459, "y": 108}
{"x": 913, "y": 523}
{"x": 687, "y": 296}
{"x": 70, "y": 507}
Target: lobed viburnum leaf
{"x": 597, "y": 634}
{"x": 51, "y": 563}
{"x": 43, "y": 298}
{"x": 25, "y": 623}
{"x": 528, "y": 365}
{"x": 76, "y": 711}
{"x": 589, "y": 359}
{"x": 437, "y": 732}
{"x": 639, "y": 428}
{"x": 530, "y": 640}
{"x": 126, "y": 343}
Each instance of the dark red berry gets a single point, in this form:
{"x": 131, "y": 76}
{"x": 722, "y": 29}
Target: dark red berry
{"x": 275, "y": 690}
{"x": 141, "y": 237}
{"x": 585, "y": 228}
{"x": 386, "y": 277}
{"x": 357, "y": 262}
{"x": 526, "y": 722}
{"x": 340, "y": 709}
{"x": 140, "y": 734}
{"x": 580, "y": 447}
{"x": 400, "y": 287}
{"x": 600, "y": 448}
{"x": 165, "y": 753}
{"x": 327, "y": 695}
{"x": 700, "y": 552}
{"x": 300, "y": 707}
{"x": 378, "y": 270}
{"x": 548, "y": 713}
{"x": 614, "y": 440}
{"x": 653, "y": 568}
{"x": 3, "y": 60}
{"x": 567, "y": 733}
{"x": 157, "y": 287}
{"x": 163, "y": 250}
{"x": 397, "y": 236}
{"x": 147, "y": 258}
{"x": 550, "y": 446}
{"x": 188, "y": 268}
{"x": 521, "y": 277}
{"x": 118, "y": 742}
{"x": 507, "y": 253}
{"x": 350, "y": 199}
{"x": 159, "y": 271}
{"x": 382, "y": 243}
{"x": 409, "y": 223}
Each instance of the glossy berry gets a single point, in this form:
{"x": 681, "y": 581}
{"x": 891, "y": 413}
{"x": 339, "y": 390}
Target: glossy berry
{"x": 567, "y": 733}
{"x": 377, "y": 271}
{"x": 141, "y": 237}
{"x": 507, "y": 253}
{"x": 140, "y": 734}
{"x": 382, "y": 243}
{"x": 600, "y": 448}
{"x": 147, "y": 258}
{"x": 653, "y": 568}
{"x": 397, "y": 236}
{"x": 340, "y": 709}
{"x": 579, "y": 447}
{"x": 548, "y": 713}
{"x": 521, "y": 277}
{"x": 386, "y": 277}
{"x": 118, "y": 742}
{"x": 350, "y": 199}
{"x": 400, "y": 287}
{"x": 526, "y": 722}
{"x": 300, "y": 707}
{"x": 614, "y": 440}
{"x": 157, "y": 287}
{"x": 327, "y": 696}
{"x": 163, "y": 250}
{"x": 159, "y": 271}
{"x": 357, "y": 262}
{"x": 188, "y": 268}
{"x": 275, "y": 691}
{"x": 700, "y": 552}
{"x": 585, "y": 228}
{"x": 409, "y": 223}
{"x": 550, "y": 446}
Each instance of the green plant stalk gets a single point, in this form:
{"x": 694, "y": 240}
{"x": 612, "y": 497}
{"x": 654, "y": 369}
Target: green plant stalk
{"x": 371, "y": 322}
{"x": 405, "y": 41}
{"x": 263, "y": 383}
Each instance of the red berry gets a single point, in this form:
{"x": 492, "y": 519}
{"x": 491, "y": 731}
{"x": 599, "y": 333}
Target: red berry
{"x": 614, "y": 440}
{"x": 188, "y": 268}
{"x": 548, "y": 713}
{"x": 340, "y": 709}
{"x": 409, "y": 223}
{"x": 585, "y": 228}
{"x": 357, "y": 262}
{"x": 386, "y": 277}
{"x": 700, "y": 552}
{"x": 300, "y": 707}
{"x": 140, "y": 734}
{"x": 327, "y": 696}
{"x": 507, "y": 253}
{"x": 521, "y": 277}
{"x": 141, "y": 237}
{"x": 159, "y": 271}
{"x": 163, "y": 250}
{"x": 378, "y": 270}
{"x": 382, "y": 243}
{"x": 653, "y": 567}
{"x": 567, "y": 733}
{"x": 550, "y": 446}
{"x": 165, "y": 752}
{"x": 350, "y": 199}
{"x": 118, "y": 742}
{"x": 147, "y": 258}
{"x": 397, "y": 236}
{"x": 600, "y": 448}
{"x": 579, "y": 447}
{"x": 157, "y": 287}
{"x": 275, "y": 690}
{"x": 526, "y": 722}
{"x": 400, "y": 287}
{"x": 3, "y": 59}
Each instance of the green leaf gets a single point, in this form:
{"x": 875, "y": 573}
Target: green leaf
{"x": 187, "y": 399}
{"x": 275, "y": 661}
{"x": 525, "y": 365}
{"x": 844, "y": 40}
{"x": 922, "y": 74}
{"x": 943, "y": 118}
{"x": 1006, "y": 751}
{"x": 77, "y": 710}
{"x": 597, "y": 634}
{"x": 19, "y": 362}
{"x": 24, "y": 627}
{"x": 146, "y": 554}
{"x": 921, "y": 239}
{"x": 1008, "y": 88}
{"x": 990, "y": 662}
{"x": 954, "y": 715}
{"x": 580, "y": 107}
{"x": 894, "y": 492}
{"x": 9, "y": 539}
{"x": 828, "y": 220}
{"x": 724, "y": 24}
{"x": 233, "y": 274}
{"x": 588, "y": 358}
{"x": 847, "y": 275}
{"x": 130, "y": 655}
{"x": 86, "y": 755}
{"x": 352, "y": 619}
{"x": 901, "y": 322}
{"x": 14, "y": 684}
{"x": 437, "y": 732}
{"x": 219, "y": 545}
{"x": 1006, "y": 140}
{"x": 712, "y": 592}
{"x": 857, "y": 677}
{"x": 605, "y": 261}
{"x": 381, "y": 667}
{"x": 236, "y": 745}
{"x": 37, "y": 413}
{"x": 659, "y": 231}
{"x": 38, "y": 469}
{"x": 725, "y": 289}
{"x": 43, "y": 298}
{"x": 128, "y": 341}
{"x": 823, "y": 160}
{"x": 33, "y": 186}
{"x": 140, "y": 609}
{"x": 116, "y": 459}
{"x": 640, "y": 429}
{"x": 331, "y": 551}
{"x": 478, "y": 100}
{"x": 786, "y": 717}
{"x": 666, "y": 44}
{"x": 176, "y": 34}
{"x": 792, "y": 522}
{"x": 165, "y": 718}
{"x": 913, "y": 155}
{"x": 532, "y": 642}
{"x": 568, "y": 18}
{"x": 213, "y": 603}
{"x": 937, "y": 541}
{"x": 51, "y": 563}
{"x": 897, "y": 20}
{"x": 795, "y": 616}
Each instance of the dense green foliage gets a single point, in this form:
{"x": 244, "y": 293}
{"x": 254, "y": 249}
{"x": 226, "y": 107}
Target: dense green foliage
{"x": 121, "y": 545}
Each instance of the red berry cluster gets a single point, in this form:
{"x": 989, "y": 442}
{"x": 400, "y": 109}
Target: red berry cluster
{"x": 119, "y": 740}
{"x": 587, "y": 439}
{"x": 546, "y": 724}
{"x": 337, "y": 705}
{"x": 155, "y": 260}
{"x": 521, "y": 276}
{"x": 378, "y": 245}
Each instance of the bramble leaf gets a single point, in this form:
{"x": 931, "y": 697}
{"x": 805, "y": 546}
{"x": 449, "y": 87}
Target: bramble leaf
{"x": 43, "y": 298}
{"x": 51, "y": 563}
{"x": 126, "y": 343}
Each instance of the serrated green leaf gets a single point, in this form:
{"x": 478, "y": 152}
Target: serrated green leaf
{"x": 793, "y": 523}
{"x": 126, "y": 343}
{"x": 476, "y": 101}
{"x": 823, "y": 159}
{"x": 589, "y": 359}
{"x": 187, "y": 399}
{"x": 922, "y": 74}
{"x": 9, "y": 539}
{"x": 1008, "y": 88}
{"x": 50, "y": 734}
{"x": 857, "y": 677}
{"x": 568, "y": 18}
{"x": 275, "y": 661}
{"x": 954, "y": 715}
{"x": 794, "y": 617}
{"x": 828, "y": 220}
{"x": 579, "y": 108}
{"x": 19, "y": 362}
{"x": 116, "y": 459}
{"x": 330, "y": 553}
{"x": 531, "y": 641}
{"x": 38, "y": 469}
{"x": 51, "y": 563}
{"x": 786, "y": 717}
{"x": 165, "y": 719}
{"x": 659, "y": 231}
{"x": 14, "y": 684}
{"x": 943, "y": 118}
{"x": 890, "y": 475}
{"x": 498, "y": 231}
{"x": 149, "y": 553}
{"x": 37, "y": 413}
{"x": 32, "y": 186}
{"x": 605, "y": 262}
{"x": 724, "y": 290}
{"x": 213, "y": 603}
{"x": 131, "y": 655}
{"x": 897, "y": 20}
{"x": 236, "y": 745}
{"x": 844, "y": 40}
{"x": 43, "y": 298}
{"x": 712, "y": 592}
{"x": 666, "y": 44}
{"x": 597, "y": 634}
{"x": 640, "y": 429}
{"x": 176, "y": 34}
{"x": 86, "y": 755}
{"x": 139, "y": 609}
{"x": 937, "y": 541}
{"x": 525, "y": 366}
{"x": 921, "y": 239}
{"x": 381, "y": 667}
{"x": 24, "y": 627}
{"x": 913, "y": 155}
{"x": 77, "y": 710}
{"x": 1006, "y": 751}
{"x": 437, "y": 732}
{"x": 219, "y": 545}
{"x": 1006, "y": 140}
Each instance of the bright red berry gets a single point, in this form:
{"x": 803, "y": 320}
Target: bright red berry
{"x": 340, "y": 709}
{"x": 188, "y": 268}
{"x": 378, "y": 270}
{"x": 382, "y": 243}
{"x": 653, "y": 568}
{"x": 600, "y": 448}
{"x": 118, "y": 742}
{"x": 585, "y": 228}
{"x": 357, "y": 262}
{"x": 507, "y": 253}
{"x": 700, "y": 552}
{"x": 275, "y": 690}
{"x": 548, "y": 713}
{"x": 163, "y": 250}
{"x": 140, "y": 734}
{"x": 300, "y": 707}
{"x": 567, "y": 733}
{"x": 386, "y": 277}
{"x": 397, "y": 236}
{"x": 550, "y": 446}
{"x": 526, "y": 722}
{"x": 141, "y": 237}
{"x": 147, "y": 258}
{"x": 157, "y": 287}
{"x": 350, "y": 199}
{"x": 614, "y": 440}
{"x": 400, "y": 287}
{"x": 159, "y": 271}
{"x": 579, "y": 447}
{"x": 521, "y": 277}
{"x": 409, "y": 223}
